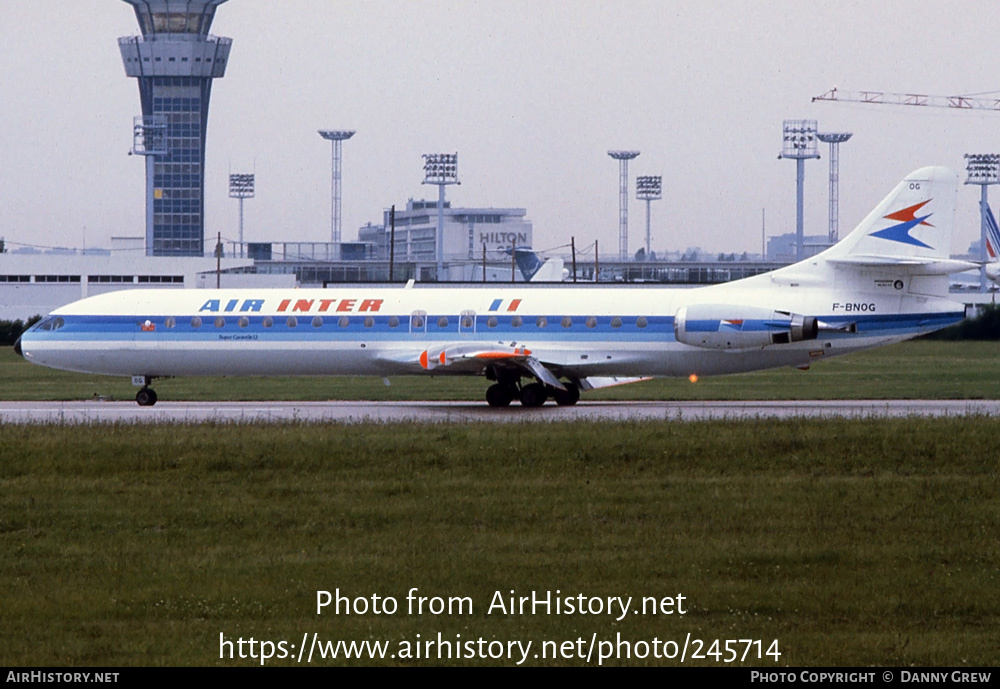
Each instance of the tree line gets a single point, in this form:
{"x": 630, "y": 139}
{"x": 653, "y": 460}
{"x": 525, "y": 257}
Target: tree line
{"x": 11, "y": 330}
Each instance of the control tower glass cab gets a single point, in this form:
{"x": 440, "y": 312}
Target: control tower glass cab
{"x": 175, "y": 60}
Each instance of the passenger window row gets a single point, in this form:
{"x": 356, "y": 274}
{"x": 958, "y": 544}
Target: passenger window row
{"x": 416, "y": 322}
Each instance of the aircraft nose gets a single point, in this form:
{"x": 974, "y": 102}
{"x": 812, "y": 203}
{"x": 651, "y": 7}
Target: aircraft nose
{"x": 17, "y": 348}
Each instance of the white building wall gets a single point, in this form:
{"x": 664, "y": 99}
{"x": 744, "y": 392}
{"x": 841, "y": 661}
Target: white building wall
{"x": 33, "y": 284}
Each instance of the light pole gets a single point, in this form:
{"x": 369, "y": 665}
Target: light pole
{"x": 440, "y": 169}
{"x": 648, "y": 189}
{"x": 623, "y": 157}
{"x": 241, "y": 187}
{"x": 337, "y": 137}
{"x": 799, "y": 144}
{"x": 984, "y": 170}
{"x": 834, "y": 139}
{"x": 149, "y": 139}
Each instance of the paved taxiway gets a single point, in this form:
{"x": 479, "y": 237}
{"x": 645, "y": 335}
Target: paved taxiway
{"x": 91, "y": 412}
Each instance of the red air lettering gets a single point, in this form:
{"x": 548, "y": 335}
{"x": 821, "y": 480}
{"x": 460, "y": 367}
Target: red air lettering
{"x": 324, "y": 304}
{"x": 370, "y": 305}
{"x": 303, "y": 305}
{"x": 346, "y": 304}
{"x": 283, "y": 306}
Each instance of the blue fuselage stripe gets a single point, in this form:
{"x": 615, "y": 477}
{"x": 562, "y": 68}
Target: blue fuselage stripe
{"x": 656, "y": 328}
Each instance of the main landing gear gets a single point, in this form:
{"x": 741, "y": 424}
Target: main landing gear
{"x": 505, "y": 391}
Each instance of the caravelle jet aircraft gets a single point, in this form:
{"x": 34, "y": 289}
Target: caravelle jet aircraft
{"x": 885, "y": 282}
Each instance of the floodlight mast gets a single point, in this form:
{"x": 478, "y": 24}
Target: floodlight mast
{"x": 440, "y": 169}
{"x": 336, "y": 137}
{"x": 799, "y": 144}
{"x": 241, "y": 186}
{"x": 623, "y": 157}
{"x": 648, "y": 189}
{"x": 983, "y": 169}
{"x": 834, "y": 139}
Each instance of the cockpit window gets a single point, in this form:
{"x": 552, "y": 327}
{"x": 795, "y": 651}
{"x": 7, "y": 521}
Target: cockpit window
{"x": 51, "y": 323}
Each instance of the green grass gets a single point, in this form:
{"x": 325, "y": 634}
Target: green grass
{"x": 851, "y": 542}
{"x": 910, "y": 370}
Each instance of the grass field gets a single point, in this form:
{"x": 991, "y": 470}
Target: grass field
{"x": 910, "y": 370}
{"x": 850, "y": 542}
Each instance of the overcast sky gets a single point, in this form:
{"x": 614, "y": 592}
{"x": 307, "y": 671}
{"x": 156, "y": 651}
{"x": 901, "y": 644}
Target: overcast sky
{"x": 531, "y": 94}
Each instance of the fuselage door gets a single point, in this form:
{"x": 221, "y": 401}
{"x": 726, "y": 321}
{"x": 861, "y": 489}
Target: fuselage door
{"x": 418, "y": 323}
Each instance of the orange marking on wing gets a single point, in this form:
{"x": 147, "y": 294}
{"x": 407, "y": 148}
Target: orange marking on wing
{"x": 499, "y": 355}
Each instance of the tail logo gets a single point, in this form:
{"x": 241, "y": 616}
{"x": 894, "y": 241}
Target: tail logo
{"x": 908, "y": 219}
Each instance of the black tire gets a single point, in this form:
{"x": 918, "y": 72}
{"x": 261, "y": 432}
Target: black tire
{"x": 533, "y": 395}
{"x": 567, "y": 397}
{"x": 145, "y": 397}
{"x": 499, "y": 395}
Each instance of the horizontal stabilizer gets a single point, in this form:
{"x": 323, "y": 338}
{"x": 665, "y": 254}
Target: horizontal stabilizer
{"x": 920, "y": 266}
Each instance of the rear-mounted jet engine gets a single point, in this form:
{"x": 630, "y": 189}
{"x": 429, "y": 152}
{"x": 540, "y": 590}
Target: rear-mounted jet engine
{"x": 718, "y": 326}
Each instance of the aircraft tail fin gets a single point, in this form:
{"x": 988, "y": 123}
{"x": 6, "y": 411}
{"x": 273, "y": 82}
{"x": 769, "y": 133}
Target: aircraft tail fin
{"x": 534, "y": 269}
{"x": 992, "y": 234}
{"x": 911, "y": 226}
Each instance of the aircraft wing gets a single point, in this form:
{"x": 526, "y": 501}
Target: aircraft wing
{"x": 467, "y": 357}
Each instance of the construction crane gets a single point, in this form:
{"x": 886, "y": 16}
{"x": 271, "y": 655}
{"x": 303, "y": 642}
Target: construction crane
{"x": 983, "y": 169}
{"x": 975, "y": 101}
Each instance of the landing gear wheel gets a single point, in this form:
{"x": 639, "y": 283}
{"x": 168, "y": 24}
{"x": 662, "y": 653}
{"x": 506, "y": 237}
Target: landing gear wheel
{"x": 499, "y": 395}
{"x": 567, "y": 397}
{"x": 145, "y": 397}
{"x": 533, "y": 395}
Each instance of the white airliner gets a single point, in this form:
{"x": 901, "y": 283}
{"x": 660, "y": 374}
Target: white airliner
{"x": 885, "y": 282}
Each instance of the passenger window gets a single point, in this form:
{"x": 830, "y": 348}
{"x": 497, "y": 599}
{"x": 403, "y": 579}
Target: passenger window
{"x": 492, "y": 322}
{"x": 170, "y": 322}
{"x": 292, "y": 321}
{"x": 344, "y": 321}
{"x": 268, "y": 322}
{"x": 542, "y": 322}
{"x": 592, "y": 322}
{"x": 369, "y": 322}
{"x": 516, "y": 321}
{"x": 443, "y": 322}
{"x": 616, "y": 322}
{"x": 393, "y": 322}
{"x": 220, "y": 322}
{"x": 196, "y": 322}
{"x": 243, "y": 322}
{"x": 641, "y": 322}
{"x": 317, "y": 322}
{"x": 467, "y": 321}
{"x": 566, "y": 322}
{"x": 417, "y": 322}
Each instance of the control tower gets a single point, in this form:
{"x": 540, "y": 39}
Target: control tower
{"x": 175, "y": 60}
